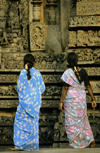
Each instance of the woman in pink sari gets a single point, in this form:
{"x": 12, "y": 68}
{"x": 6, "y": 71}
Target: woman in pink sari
{"x": 73, "y": 95}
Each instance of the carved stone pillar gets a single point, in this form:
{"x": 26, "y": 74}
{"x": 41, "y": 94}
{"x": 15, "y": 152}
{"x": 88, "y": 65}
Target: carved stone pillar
{"x": 52, "y": 12}
{"x": 3, "y": 9}
{"x": 36, "y": 10}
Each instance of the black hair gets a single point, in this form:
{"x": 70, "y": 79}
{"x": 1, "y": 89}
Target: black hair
{"x": 72, "y": 60}
{"x": 29, "y": 58}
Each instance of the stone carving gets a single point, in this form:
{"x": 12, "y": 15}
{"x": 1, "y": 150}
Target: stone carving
{"x": 86, "y": 56}
{"x": 84, "y": 38}
{"x": 44, "y": 62}
{"x": 6, "y": 135}
{"x": 50, "y": 103}
{"x": 87, "y": 8}
{"x": 95, "y": 86}
{"x": 8, "y": 78}
{"x": 52, "y": 91}
{"x": 84, "y": 21}
{"x": 46, "y": 134}
{"x": 36, "y": 9}
{"x": 56, "y": 131}
{"x": 51, "y": 78}
{"x": 51, "y": 12}
{"x": 48, "y": 118}
{"x": 93, "y": 71}
{"x": 51, "y": 62}
{"x": 88, "y": 98}
{"x": 8, "y": 91}
{"x": 72, "y": 39}
{"x": 8, "y": 103}
{"x": 37, "y": 36}
{"x": 4, "y": 120}
{"x": 13, "y": 61}
{"x": 14, "y": 33}
{"x": 3, "y": 14}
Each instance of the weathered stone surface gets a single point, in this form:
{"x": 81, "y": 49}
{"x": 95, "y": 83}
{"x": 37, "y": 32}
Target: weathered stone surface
{"x": 86, "y": 55}
{"x": 8, "y": 103}
{"x": 53, "y": 44}
{"x": 87, "y": 8}
{"x": 93, "y": 71}
{"x": 8, "y": 78}
{"x": 84, "y": 38}
{"x": 8, "y": 91}
{"x": 84, "y": 21}
{"x": 45, "y": 62}
{"x": 37, "y": 36}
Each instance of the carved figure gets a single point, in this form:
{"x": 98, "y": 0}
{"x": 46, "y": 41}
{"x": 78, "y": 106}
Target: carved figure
{"x": 2, "y": 92}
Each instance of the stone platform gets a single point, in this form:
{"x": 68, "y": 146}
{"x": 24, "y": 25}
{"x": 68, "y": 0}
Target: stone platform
{"x": 59, "y": 150}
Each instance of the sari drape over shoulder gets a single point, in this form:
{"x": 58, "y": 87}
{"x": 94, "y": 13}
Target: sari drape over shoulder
{"x": 26, "y": 124}
{"x": 77, "y": 125}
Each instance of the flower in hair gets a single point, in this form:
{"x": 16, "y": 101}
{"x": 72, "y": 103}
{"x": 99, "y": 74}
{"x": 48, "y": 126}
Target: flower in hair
{"x": 26, "y": 66}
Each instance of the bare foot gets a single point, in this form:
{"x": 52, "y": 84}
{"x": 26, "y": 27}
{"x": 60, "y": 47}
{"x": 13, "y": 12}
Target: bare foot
{"x": 92, "y": 144}
{"x": 13, "y": 149}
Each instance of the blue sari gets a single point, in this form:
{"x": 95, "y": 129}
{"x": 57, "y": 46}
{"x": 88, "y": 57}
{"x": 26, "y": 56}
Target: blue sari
{"x": 26, "y": 124}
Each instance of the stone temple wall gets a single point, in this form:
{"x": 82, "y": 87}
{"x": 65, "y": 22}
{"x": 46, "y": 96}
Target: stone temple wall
{"x": 48, "y": 29}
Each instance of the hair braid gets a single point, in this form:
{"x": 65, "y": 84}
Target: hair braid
{"x": 77, "y": 74}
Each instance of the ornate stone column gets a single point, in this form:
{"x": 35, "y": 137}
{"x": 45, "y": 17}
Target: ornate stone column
{"x": 52, "y": 12}
{"x": 36, "y": 10}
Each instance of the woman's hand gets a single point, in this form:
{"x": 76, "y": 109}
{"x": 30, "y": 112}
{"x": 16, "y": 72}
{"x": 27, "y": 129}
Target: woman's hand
{"x": 94, "y": 104}
{"x": 60, "y": 106}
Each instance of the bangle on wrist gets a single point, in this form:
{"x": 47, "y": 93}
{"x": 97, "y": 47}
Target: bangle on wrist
{"x": 93, "y": 99}
{"x": 61, "y": 102}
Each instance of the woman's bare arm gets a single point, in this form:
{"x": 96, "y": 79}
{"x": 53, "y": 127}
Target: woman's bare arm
{"x": 63, "y": 94}
{"x": 89, "y": 89}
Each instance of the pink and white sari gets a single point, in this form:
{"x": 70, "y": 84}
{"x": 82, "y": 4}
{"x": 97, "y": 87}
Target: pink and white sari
{"x": 76, "y": 121}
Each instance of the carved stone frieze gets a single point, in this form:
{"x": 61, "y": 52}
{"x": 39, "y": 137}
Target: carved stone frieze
{"x": 6, "y": 135}
{"x": 48, "y": 118}
{"x": 89, "y": 100}
{"x": 52, "y": 91}
{"x": 14, "y": 30}
{"x": 45, "y": 134}
{"x": 37, "y": 36}
{"x": 52, "y": 11}
{"x": 95, "y": 86}
{"x": 72, "y": 39}
{"x": 87, "y": 8}
{"x": 86, "y": 56}
{"x": 8, "y": 91}
{"x": 8, "y": 78}
{"x": 84, "y": 38}
{"x": 84, "y": 21}
{"x": 45, "y": 62}
{"x": 6, "y": 120}
{"x": 50, "y": 103}
{"x": 93, "y": 71}
{"x": 51, "y": 78}
{"x": 8, "y": 103}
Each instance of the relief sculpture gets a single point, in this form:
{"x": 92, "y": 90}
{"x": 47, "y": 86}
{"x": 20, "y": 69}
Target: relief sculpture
{"x": 84, "y": 38}
{"x": 84, "y": 21}
{"x": 14, "y": 30}
{"x": 37, "y": 36}
{"x": 88, "y": 8}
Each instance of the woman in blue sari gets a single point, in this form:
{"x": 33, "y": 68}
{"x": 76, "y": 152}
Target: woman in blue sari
{"x": 30, "y": 86}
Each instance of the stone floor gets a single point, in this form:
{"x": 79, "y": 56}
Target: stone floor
{"x": 59, "y": 150}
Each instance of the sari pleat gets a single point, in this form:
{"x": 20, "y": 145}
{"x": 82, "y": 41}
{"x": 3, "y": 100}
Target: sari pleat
{"x": 77, "y": 125}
